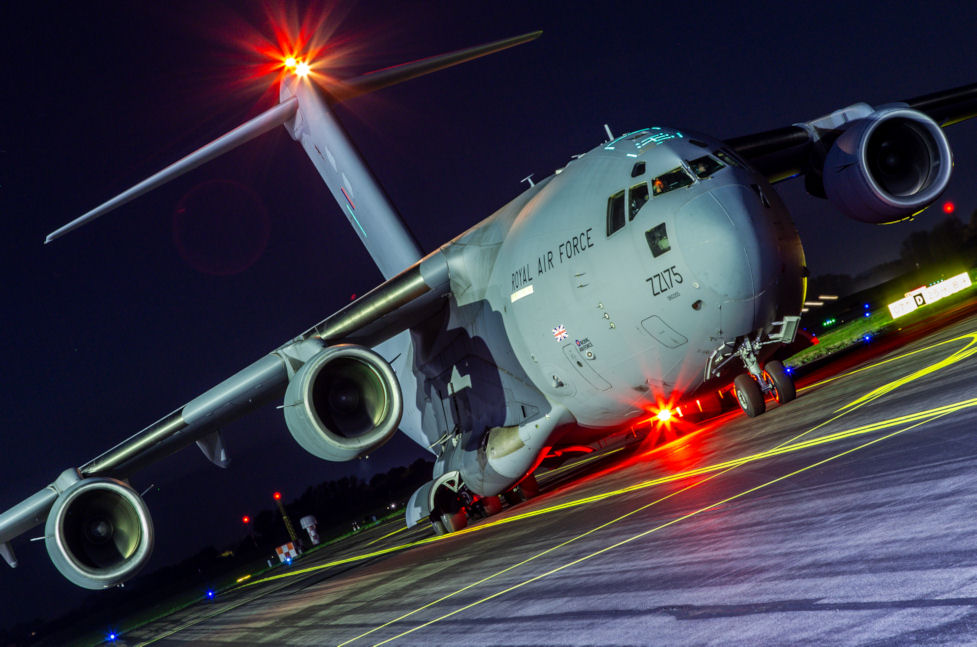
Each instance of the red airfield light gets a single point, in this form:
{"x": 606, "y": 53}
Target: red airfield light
{"x": 277, "y": 496}
{"x": 246, "y": 519}
{"x": 949, "y": 207}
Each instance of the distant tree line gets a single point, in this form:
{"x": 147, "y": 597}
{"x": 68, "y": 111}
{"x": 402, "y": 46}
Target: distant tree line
{"x": 949, "y": 244}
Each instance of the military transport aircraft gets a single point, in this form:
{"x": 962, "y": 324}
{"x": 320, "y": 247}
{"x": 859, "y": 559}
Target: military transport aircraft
{"x": 655, "y": 266}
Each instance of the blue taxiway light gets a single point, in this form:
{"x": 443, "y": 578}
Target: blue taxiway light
{"x": 210, "y": 594}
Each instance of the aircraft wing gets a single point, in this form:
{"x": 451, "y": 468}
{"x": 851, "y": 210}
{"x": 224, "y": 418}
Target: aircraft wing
{"x": 799, "y": 149}
{"x": 394, "y": 306}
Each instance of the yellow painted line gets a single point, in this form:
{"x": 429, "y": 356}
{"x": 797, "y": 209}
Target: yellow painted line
{"x": 716, "y": 470}
{"x": 790, "y": 445}
{"x": 582, "y": 461}
{"x": 645, "y": 533}
{"x": 389, "y": 534}
{"x": 885, "y": 361}
{"x": 717, "y": 467}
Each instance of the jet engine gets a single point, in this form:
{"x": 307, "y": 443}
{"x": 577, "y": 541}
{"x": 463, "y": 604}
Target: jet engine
{"x": 343, "y": 403}
{"x": 887, "y": 166}
{"x": 99, "y": 533}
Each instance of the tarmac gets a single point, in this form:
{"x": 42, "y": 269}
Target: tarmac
{"x": 845, "y": 517}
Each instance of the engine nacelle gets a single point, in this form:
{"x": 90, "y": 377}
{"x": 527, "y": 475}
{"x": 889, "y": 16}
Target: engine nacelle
{"x": 343, "y": 403}
{"x": 887, "y": 166}
{"x": 99, "y": 533}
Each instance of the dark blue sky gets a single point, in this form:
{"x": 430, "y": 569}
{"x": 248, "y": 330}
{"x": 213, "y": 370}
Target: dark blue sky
{"x": 123, "y": 321}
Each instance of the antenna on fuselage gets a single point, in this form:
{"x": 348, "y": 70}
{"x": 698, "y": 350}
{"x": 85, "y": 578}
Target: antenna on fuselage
{"x": 607, "y": 129}
{"x": 529, "y": 179}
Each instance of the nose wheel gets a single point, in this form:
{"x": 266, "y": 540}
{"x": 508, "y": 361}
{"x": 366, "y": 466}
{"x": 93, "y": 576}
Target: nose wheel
{"x": 749, "y": 395}
{"x": 781, "y": 384}
{"x": 752, "y": 388}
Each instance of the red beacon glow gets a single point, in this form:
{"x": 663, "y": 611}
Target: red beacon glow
{"x": 290, "y": 62}
{"x": 246, "y": 519}
{"x": 949, "y": 207}
{"x": 277, "y": 496}
{"x": 664, "y": 415}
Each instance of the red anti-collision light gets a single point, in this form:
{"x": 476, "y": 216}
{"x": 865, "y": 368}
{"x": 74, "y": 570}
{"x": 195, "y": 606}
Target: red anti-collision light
{"x": 277, "y": 496}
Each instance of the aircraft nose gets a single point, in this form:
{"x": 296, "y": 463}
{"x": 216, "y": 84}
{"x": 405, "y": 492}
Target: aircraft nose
{"x": 720, "y": 232}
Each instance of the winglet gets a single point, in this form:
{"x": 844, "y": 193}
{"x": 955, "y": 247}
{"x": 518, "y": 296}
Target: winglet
{"x": 8, "y": 554}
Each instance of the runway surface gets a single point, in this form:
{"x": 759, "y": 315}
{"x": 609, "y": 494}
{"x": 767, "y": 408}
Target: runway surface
{"x": 847, "y": 517}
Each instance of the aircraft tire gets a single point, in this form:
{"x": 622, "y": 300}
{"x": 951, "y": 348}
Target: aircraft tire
{"x": 749, "y": 395}
{"x": 454, "y": 522}
{"x": 492, "y": 505}
{"x": 783, "y": 386}
{"x": 528, "y": 487}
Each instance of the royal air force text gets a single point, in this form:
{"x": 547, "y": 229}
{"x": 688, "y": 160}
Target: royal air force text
{"x": 565, "y": 251}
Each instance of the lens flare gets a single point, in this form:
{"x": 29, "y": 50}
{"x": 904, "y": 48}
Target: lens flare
{"x": 663, "y": 415}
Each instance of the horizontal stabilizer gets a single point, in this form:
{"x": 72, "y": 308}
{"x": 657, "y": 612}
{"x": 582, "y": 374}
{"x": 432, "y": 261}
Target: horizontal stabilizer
{"x": 247, "y": 131}
{"x": 386, "y": 77}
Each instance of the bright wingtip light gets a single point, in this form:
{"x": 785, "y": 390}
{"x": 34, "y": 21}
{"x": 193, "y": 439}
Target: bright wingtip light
{"x": 290, "y": 62}
{"x": 302, "y": 69}
{"x": 664, "y": 415}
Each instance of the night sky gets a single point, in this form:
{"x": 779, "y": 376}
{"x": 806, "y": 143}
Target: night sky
{"x": 123, "y": 321}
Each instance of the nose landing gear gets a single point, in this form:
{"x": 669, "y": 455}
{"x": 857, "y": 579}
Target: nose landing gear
{"x": 752, "y": 387}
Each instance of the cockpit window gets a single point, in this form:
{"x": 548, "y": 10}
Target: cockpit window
{"x": 615, "y": 212}
{"x": 657, "y": 239}
{"x": 727, "y": 157}
{"x": 705, "y": 166}
{"x": 674, "y": 179}
{"x": 637, "y": 197}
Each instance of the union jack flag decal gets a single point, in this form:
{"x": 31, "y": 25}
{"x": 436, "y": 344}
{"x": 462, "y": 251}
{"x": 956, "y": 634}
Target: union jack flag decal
{"x": 560, "y": 333}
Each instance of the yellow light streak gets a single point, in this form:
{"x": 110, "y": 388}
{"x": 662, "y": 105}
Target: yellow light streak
{"x": 643, "y": 534}
{"x": 779, "y": 450}
{"x": 575, "y": 464}
{"x": 389, "y": 534}
{"x": 914, "y": 420}
{"x": 791, "y": 445}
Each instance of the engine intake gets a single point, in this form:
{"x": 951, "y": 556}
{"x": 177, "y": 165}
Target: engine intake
{"x": 99, "y": 533}
{"x": 343, "y": 403}
{"x": 887, "y": 166}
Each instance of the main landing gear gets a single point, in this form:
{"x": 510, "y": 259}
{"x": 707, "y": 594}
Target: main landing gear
{"x": 455, "y": 504}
